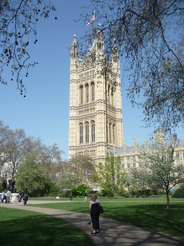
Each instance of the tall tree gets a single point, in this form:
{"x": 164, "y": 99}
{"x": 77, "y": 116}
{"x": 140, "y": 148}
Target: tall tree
{"x": 109, "y": 176}
{"x": 32, "y": 177}
{"x": 18, "y": 21}
{"x": 78, "y": 170}
{"x": 158, "y": 168}
{"x": 13, "y": 150}
{"x": 150, "y": 38}
{"x": 83, "y": 167}
{"x": 15, "y": 147}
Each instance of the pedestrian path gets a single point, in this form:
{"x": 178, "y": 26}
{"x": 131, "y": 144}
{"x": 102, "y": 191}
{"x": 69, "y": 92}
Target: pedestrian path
{"x": 112, "y": 233}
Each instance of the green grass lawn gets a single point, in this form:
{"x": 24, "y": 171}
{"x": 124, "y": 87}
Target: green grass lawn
{"x": 149, "y": 213}
{"x": 27, "y": 228}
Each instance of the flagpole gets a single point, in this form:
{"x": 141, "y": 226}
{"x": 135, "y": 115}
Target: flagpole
{"x": 94, "y": 20}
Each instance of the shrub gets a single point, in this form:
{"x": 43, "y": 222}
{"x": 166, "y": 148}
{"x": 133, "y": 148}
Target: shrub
{"x": 123, "y": 192}
{"x": 107, "y": 192}
{"x": 80, "y": 190}
{"x": 179, "y": 193}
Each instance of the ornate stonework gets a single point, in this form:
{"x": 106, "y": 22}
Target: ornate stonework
{"x": 95, "y": 113}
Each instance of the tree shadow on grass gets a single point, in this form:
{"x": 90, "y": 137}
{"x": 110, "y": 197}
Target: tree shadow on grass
{"x": 41, "y": 230}
{"x": 154, "y": 217}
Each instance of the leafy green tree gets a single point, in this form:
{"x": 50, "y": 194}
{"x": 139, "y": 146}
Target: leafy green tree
{"x": 15, "y": 147}
{"x": 18, "y": 21}
{"x": 158, "y": 168}
{"x": 150, "y": 39}
{"x": 109, "y": 176}
{"x": 32, "y": 177}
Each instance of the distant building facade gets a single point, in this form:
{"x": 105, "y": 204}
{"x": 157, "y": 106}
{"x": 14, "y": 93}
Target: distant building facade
{"x": 130, "y": 155}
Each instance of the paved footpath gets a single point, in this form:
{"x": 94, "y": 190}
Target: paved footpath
{"x": 112, "y": 233}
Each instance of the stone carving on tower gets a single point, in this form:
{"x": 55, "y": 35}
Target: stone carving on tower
{"x": 95, "y": 110}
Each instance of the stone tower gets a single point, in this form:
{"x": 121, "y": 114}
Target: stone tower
{"x": 95, "y": 112}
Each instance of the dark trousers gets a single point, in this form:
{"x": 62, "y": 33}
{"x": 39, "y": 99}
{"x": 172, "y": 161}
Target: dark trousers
{"x": 95, "y": 221}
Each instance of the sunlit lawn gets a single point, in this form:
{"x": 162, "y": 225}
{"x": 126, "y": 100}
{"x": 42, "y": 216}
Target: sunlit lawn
{"x": 27, "y": 228}
{"x": 147, "y": 213}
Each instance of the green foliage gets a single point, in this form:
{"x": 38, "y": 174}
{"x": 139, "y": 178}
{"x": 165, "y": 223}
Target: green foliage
{"x": 109, "y": 175}
{"x": 80, "y": 190}
{"x": 33, "y": 178}
{"x": 122, "y": 192}
{"x": 179, "y": 193}
{"x": 143, "y": 193}
{"x": 107, "y": 192}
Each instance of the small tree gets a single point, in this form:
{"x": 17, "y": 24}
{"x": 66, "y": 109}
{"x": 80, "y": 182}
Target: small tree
{"x": 158, "y": 169}
{"x": 109, "y": 175}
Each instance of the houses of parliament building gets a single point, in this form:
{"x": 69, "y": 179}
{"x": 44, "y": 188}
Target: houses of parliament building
{"x": 95, "y": 110}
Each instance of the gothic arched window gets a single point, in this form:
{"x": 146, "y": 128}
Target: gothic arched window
{"x": 92, "y": 91}
{"x": 109, "y": 132}
{"x": 81, "y": 133}
{"x": 113, "y": 134}
{"x": 81, "y": 94}
{"x": 87, "y": 132}
{"x": 93, "y": 131}
{"x": 87, "y": 93}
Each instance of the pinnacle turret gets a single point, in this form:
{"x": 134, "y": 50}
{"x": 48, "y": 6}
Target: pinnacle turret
{"x": 74, "y": 49}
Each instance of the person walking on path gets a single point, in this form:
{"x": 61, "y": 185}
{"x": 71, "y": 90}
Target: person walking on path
{"x": 70, "y": 200}
{"x": 94, "y": 212}
{"x": 25, "y": 198}
{"x": 8, "y": 193}
{"x": 85, "y": 196}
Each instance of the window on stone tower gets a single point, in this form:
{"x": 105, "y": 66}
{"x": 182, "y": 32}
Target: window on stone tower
{"x": 92, "y": 91}
{"x": 110, "y": 133}
{"x": 87, "y": 93}
{"x": 81, "y": 133}
{"x": 93, "y": 131}
{"x": 81, "y": 94}
{"x": 113, "y": 133}
{"x": 87, "y": 132}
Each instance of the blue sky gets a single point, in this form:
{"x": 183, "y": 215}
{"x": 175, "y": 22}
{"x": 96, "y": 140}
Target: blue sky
{"x": 44, "y": 113}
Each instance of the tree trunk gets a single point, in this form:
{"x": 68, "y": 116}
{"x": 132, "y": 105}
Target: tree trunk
{"x": 167, "y": 193}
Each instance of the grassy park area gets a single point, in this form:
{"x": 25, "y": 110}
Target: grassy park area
{"x": 149, "y": 213}
{"x": 32, "y": 229}
{"x": 29, "y": 228}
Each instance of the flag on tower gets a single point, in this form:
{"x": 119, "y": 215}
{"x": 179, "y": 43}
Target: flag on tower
{"x": 92, "y": 19}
